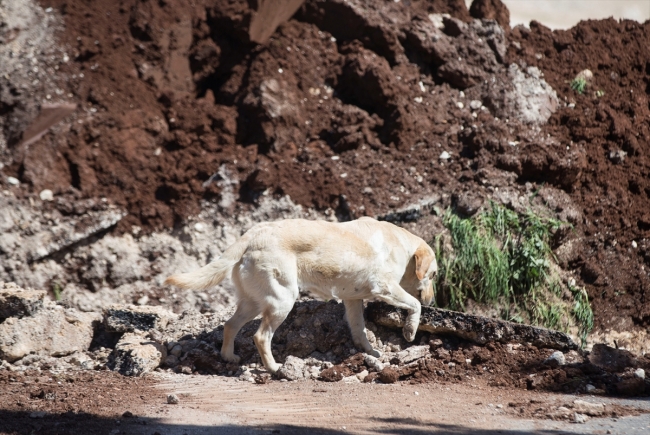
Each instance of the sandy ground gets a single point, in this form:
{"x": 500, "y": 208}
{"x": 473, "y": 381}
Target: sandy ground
{"x": 224, "y": 405}
{"x": 563, "y": 14}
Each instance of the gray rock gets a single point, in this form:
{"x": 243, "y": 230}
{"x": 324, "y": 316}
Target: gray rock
{"x": 172, "y": 399}
{"x": 171, "y": 361}
{"x": 135, "y": 355}
{"x": 52, "y": 331}
{"x": 293, "y": 369}
{"x": 589, "y": 388}
{"x": 130, "y": 318}
{"x": 18, "y": 302}
{"x": 556, "y": 359}
{"x": 411, "y": 354}
{"x": 477, "y": 329}
{"x": 526, "y": 97}
{"x": 177, "y": 350}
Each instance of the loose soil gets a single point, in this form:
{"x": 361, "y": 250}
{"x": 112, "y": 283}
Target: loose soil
{"x": 104, "y": 402}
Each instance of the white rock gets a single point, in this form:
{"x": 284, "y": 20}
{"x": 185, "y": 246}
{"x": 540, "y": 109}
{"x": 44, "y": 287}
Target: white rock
{"x": 135, "y": 355}
{"x": 475, "y": 104}
{"x": 293, "y": 369}
{"x": 46, "y": 195}
{"x": 639, "y": 373}
{"x": 172, "y": 399}
{"x": 579, "y": 418}
{"x": 589, "y": 388}
{"x": 412, "y": 353}
{"x": 373, "y": 363}
{"x": 460, "y": 104}
{"x": 362, "y": 375}
{"x": 634, "y": 245}
{"x": 13, "y": 181}
{"x": 588, "y": 408}
{"x": 50, "y": 331}
{"x": 445, "y": 155}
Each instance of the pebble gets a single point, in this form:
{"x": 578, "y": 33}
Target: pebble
{"x": 475, "y": 104}
{"x": 172, "y": 399}
{"x": 460, "y": 105}
{"x": 445, "y": 155}
{"x": 580, "y": 418}
{"x": 589, "y": 388}
{"x": 13, "y": 181}
{"x": 639, "y": 373}
{"x": 46, "y": 195}
{"x": 557, "y": 358}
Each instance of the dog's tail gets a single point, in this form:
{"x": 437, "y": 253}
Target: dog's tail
{"x": 214, "y": 272}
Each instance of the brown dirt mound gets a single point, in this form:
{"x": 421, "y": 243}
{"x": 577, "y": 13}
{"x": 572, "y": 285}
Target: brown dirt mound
{"x": 614, "y": 192}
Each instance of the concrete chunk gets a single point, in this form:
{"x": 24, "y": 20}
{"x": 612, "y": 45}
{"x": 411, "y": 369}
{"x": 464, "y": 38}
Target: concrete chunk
{"x": 18, "y": 302}
{"x": 130, "y": 318}
{"x": 411, "y": 354}
{"x": 135, "y": 355}
{"x": 480, "y": 330}
{"x": 51, "y": 331}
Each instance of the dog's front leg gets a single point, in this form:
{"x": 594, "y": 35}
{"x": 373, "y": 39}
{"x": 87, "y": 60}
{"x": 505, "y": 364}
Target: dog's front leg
{"x": 393, "y": 294}
{"x": 354, "y": 316}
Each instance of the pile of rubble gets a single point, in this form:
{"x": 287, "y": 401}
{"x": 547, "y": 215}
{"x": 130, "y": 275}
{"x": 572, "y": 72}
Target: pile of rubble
{"x": 314, "y": 343}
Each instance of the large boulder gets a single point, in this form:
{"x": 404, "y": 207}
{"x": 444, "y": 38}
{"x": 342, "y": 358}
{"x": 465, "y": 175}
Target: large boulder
{"x": 51, "y": 331}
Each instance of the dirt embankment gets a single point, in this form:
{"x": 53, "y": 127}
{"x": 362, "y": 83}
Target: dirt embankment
{"x": 352, "y": 108}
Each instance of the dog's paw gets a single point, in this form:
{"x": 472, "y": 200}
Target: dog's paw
{"x": 409, "y": 332}
{"x": 273, "y": 368}
{"x": 231, "y": 358}
{"x": 374, "y": 352}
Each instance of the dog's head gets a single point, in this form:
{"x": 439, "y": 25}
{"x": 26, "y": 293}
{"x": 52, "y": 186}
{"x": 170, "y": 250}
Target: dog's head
{"x": 418, "y": 279}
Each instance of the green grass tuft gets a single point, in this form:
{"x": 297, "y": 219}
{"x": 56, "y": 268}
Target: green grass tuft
{"x": 578, "y": 84}
{"x": 502, "y": 258}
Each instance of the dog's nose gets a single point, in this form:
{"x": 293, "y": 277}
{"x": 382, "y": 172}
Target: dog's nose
{"x": 426, "y": 297}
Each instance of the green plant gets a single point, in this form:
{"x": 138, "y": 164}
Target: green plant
{"x": 504, "y": 258}
{"x": 57, "y": 289}
{"x": 579, "y": 84}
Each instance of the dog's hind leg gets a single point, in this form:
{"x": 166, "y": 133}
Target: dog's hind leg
{"x": 354, "y": 316}
{"x": 392, "y": 293}
{"x": 246, "y": 311}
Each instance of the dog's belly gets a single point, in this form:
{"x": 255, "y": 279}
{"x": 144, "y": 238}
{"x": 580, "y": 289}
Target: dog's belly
{"x": 339, "y": 290}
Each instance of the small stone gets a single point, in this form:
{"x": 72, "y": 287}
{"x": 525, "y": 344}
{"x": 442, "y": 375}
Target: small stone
{"x": 293, "y": 369}
{"x": 373, "y": 363}
{"x": 143, "y": 300}
{"x": 13, "y": 181}
{"x": 127, "y": 414}
{"x": 176, "y": 351}
{"x": 589, "y": 388}
{"x": 199, "y": 227}
{"x": 634, "y": 245}
{"x": 445, "y": 155}
{"x": 172, "y": 399}
{"x": 46, "y": 195}
{"x": 171, "y": 361}
{"x": 362, "y": 375}
{"x": 579, "y": 418}
{"x": 556, "y": 359}
{"x": 460, "y": 105}
{"x": 639, "y": 373}
{"x": 617, "y": 156}
{"x": 38, "y": 414}
{"x": 475, "y": 104}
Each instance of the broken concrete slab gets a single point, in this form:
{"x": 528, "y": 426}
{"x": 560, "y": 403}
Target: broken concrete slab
{"x": 411, "y": 354}
{"x": 52, "y": 331}
{"x": 131, "y": 318}
{"x": 18, "y": 302}
{"x": 480, "y": 330}
{"x": 135, "y": 355}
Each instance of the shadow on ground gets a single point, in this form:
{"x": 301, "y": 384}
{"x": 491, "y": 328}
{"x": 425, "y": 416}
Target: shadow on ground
{"x": 25, "y": 422}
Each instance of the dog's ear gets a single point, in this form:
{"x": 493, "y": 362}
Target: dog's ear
{"x": 423, "y": 259}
